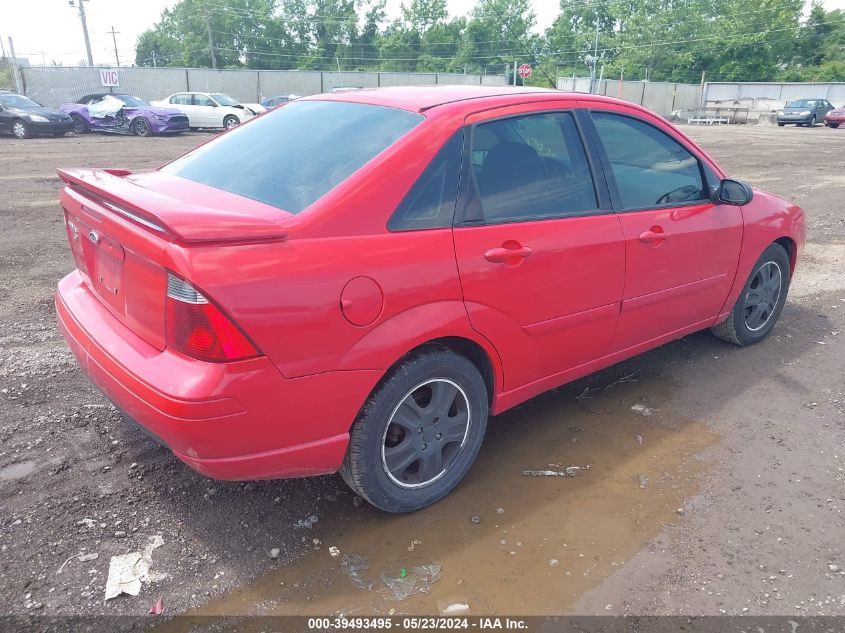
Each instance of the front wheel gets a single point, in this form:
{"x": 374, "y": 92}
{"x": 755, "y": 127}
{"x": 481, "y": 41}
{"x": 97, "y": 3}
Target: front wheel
{"x": 419, "y": 432}
{"x": 231, "y": 121}
{"x": 833, "y": 125}
{"x": 20, "y": 129}
{"x": 761, "y": 302}
{"x": 812, "y": 121}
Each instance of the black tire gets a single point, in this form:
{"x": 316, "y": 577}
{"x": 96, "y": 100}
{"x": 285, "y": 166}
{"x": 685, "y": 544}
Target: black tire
{"x": 812, "y": 121}
{"x": 748, "y": 322}
{"x": 420, "y": 385}
{"x": 781, "y": 124}
{"x": 142, "y": 127}
{"x": 79, "y": 124}
{"x": 59, "y": 134}
{"x": 833, "y": 125}
{"x": 230, "y": 122}
{"x": 20, "y": 129}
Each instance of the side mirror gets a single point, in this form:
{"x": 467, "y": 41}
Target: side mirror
{"x": 731, "y": 191}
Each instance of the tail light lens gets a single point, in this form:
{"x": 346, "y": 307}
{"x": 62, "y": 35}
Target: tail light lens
{"x": 197, "y": 328}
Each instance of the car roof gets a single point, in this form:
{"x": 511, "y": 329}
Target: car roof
{"x": 421, "y": 98}
{"x": 103, "y": 94}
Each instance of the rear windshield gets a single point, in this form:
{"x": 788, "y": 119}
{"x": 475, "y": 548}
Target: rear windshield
{"x": 289, "y": 158}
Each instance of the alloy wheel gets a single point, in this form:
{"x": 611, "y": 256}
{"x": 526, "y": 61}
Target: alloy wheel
{"x": 762, "y": 295}
{"x": 19, "y": 129}
{"x": 426, "y": 432}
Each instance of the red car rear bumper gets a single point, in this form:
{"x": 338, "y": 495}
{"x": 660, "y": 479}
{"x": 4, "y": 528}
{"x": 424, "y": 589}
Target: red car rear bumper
{"x": 240, "y": 420}
{"x": 835, "y": 118}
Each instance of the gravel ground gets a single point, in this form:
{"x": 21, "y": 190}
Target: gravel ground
{"x": 761, "y": 530}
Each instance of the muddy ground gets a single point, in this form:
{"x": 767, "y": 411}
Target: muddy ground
{"x": 721, "y": 491}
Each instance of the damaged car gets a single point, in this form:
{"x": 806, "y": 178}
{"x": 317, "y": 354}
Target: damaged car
{"x": 123, "y": 114}
{"x": 211, "y": 110}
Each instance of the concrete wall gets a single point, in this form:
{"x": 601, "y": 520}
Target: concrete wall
{"x": 663, "y": 98}
{"x": 765, "y": 97}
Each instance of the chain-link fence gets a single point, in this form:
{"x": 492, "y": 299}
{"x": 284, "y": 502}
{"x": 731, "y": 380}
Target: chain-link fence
{"x": 55, "y": 85}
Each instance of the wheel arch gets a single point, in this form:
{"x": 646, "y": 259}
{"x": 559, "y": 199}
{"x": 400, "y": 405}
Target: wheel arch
{"x": 790, "y": 247}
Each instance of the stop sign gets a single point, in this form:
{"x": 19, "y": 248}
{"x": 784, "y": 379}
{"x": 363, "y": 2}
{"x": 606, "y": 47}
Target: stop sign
{"x": 525, "y": 71}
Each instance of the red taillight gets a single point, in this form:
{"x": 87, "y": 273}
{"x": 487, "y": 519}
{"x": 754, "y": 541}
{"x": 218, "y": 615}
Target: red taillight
{"x": 197, "y": 328}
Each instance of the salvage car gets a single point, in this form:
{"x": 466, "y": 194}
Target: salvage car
{"x": 834, "y": 118}
{"x": 23, "y": 117}
{"x": 804, "y": 112}
{"x": 357, "y": 280}
{"x": 211, "y": 110}
{"x": 123, "y": 114}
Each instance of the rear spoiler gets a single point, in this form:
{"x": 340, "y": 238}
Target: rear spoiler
{"x": 178, "y": 219}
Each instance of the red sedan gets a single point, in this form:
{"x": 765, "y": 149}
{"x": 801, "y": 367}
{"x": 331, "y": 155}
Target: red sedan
{"x": 834, "y": 118}
{"x": 356, "y": 280}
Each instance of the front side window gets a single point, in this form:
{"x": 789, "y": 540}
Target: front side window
{"x": 650, "y": 167}
{"x": 292, "y": 156}
{"x": 430, "y": 203}
{"x": 529, "y": 167}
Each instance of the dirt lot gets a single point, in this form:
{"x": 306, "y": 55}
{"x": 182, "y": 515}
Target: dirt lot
{"x": 722, "y": 493}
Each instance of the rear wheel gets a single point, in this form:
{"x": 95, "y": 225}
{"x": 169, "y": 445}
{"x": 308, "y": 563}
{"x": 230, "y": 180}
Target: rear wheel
{"x": 418, "y": 433}
{"x": 761, "y": 302}
{"x": 231, "y": 121}
{"x": 79, "y": 124}
{"x": 781, "y": 124}
{"x": 58, "y": 134}
{"x": 142, "y": 127}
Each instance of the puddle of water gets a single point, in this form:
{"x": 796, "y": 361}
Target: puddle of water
{"x": 18, "y": 470}
{"x": 591, "y": 524}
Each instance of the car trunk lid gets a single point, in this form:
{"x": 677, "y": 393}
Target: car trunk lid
{"x": 121, "y": 225}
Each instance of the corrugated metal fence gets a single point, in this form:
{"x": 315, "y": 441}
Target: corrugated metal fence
{"x": 55, "y": 85}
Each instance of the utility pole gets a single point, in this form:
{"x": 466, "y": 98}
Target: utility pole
{"x": 114, "y": 39}
{"x": 84, "y": 28}
{"x": 14, "y": 64}
{"x": 155, "y": 65}
{"x": 2, "y": 48}
{"x": 514, "y": 72}
{"x": 210, "y": 40}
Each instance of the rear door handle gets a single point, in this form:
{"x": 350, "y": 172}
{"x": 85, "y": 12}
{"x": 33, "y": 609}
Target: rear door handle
{"x": 654, "y": 234}
{"x": 502, "y": 255}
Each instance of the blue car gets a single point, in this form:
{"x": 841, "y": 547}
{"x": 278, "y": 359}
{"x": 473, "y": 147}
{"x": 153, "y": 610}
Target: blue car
{"x": 272, "y": 102}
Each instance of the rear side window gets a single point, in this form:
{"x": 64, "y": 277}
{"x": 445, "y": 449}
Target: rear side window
{"x": 292, "y": 156}
{"x": 202, "y": 100}
{"x": 430, "y": 204}
{"x": 181, "y": 99}
{"x": 529, "y": 167}
{"x": 650, "y": 167}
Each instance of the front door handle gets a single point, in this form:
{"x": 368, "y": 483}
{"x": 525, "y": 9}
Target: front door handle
{"x": 654, "y": 234}
{"x": 509, "y": 253}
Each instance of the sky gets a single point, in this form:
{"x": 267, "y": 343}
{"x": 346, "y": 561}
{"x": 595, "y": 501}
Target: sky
{"x": 49, "y": 30}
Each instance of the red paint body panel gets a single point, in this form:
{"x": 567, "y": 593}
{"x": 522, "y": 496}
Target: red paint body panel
{"x": 331, "y": 299}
